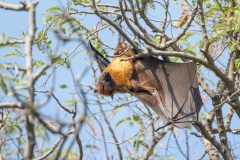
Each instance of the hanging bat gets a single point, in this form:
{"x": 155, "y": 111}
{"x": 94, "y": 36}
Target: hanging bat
{"x": 170, "y": 89}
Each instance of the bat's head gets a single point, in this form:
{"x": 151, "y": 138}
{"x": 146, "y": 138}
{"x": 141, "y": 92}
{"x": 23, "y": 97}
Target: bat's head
{"x": 106, "y": 84}
{"x": 123, "y": 49}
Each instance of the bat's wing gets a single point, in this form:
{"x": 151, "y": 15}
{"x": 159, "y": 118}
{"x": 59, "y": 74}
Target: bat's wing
{"x": 102, "y": 62}
{"x": 170, "y": 89}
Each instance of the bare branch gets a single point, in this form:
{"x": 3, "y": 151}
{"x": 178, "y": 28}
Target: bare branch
{"x": 111, "y": 130}
{"x": 205, "y": 87}
{"x": 30, "y": 83}
{"x": 236, "y": 131}
{"x": 225, "y": 153}
{"x": 177, "y": 143}
{"x": 64, "y": 108}
{"x": 124, "y": 140}
{"x": 229, "y": 117}
{"x": 12, "y": 105}
{"x": 147, "y": 21}
{"x": 46, "y": 66}
{"x": 204, "y": 34}
{"x": 20, "y": 7}
{"x": 155, "y": 140}
{"x": 213, "y": 154}
{"x": 174, "y": 40}
{"x": 12, "y": 41}
{"x": 209, "y": 121}
{"x": 55, "y": 145}
{"x": 96, "y": 11}
{"x": 221, "y": 129}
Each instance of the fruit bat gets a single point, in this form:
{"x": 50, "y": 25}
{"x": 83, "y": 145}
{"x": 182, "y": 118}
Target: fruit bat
{"x": 170, "y": 89}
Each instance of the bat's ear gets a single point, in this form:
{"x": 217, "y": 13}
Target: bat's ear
{"x": 102, "y": 62}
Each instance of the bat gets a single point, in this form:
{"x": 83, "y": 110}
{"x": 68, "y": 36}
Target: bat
{"x": 170, "y": 89}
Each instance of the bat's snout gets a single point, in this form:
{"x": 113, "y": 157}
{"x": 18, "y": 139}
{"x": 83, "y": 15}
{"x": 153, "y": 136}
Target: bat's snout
{"x": 106, "y": 84}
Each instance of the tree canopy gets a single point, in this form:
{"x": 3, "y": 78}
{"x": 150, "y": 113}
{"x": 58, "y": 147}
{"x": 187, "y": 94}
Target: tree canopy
{"x": 48, "y": 105}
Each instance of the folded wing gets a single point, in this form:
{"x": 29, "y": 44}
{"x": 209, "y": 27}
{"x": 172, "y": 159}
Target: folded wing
{"x": 170, "y": 89}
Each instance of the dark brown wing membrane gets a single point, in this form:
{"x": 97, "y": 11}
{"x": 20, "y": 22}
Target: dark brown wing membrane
{"x": 102, "y": 62}
{"x": 170, "y": 89}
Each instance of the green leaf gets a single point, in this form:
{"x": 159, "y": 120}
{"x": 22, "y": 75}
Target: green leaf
{"x": 203, "y": 116}
{"x": 234, "y": 8}
{"x": 24, "y": 33}
{"x": 133, "y": 118}
{"x": 44, "y": 73}
{"x": 137, "y": 143}
{"x": 218, "y": 84}
{"x": 237, "y": 63}
{"x": 63, "y": 86}
{"x": 67, "y": 64}
{"x": 68, "y": 20}
{"x": 78, "y": 55}
{"x": 52, "y": 9}
{"x": 63, "y": 30}
{"x": 20, "y": 87}
{"x": 10, "y": 94}
{"x": 189, "y": 127}
{"x": 156, "y": 39}
{"x": 23, "y": 74}
{"x": 5, "y": 36}
{"x": 3, "y": 85}
{"x": 38, "y": 63}
{"x": 19, "y": 53}
{"x": 75, "y": 30}
{"x": 72, "y": 101}
{"x": 92, "y": 147}
{"x": 11, "y": 54}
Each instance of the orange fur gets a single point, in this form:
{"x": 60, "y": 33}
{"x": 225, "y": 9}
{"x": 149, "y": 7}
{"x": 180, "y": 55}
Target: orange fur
{"x": 120, "y": 71}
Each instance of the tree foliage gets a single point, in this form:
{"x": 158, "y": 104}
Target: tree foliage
{"x": 48, "y": 105}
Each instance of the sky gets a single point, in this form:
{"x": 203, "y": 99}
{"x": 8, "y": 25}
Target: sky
{"x": 13, "y": 23}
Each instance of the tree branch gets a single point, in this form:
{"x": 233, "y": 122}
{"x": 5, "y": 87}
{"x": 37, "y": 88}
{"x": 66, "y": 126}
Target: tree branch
{"x": 209, "y": 121}
{"x": 46, "y": 66}
{"x": 12, "y": 105}
{"x": 225, "y": 153}
{"x": 12, "y": 41}
{"x": 55, "y": 145}
{"x": 205, "y": 87}
{"x": 212, "y": 153}
{"x": 20, "y": 7}
{"x": 30, "y": 82}
{"x": 174, "y": 40}
{"x": 204, "y": 34}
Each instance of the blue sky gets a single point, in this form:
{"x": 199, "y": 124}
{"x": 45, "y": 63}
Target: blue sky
{"x": 13, "y": 23}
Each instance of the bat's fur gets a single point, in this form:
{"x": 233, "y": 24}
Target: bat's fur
{"x": 120, "y": 71}
{"x": 170, "y": 89}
